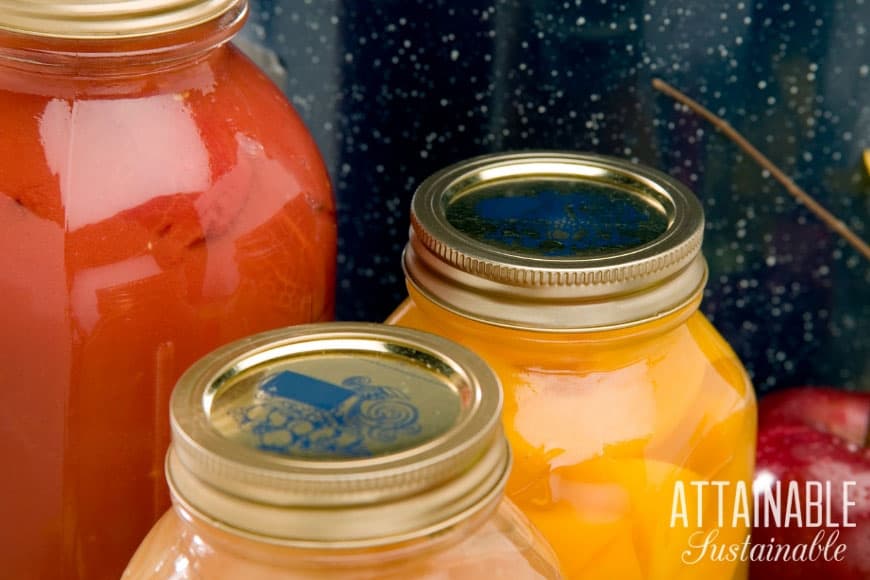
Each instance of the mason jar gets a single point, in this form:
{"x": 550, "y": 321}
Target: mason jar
{"x": 340, "y": 451}
{"x": 158, "y": 198}
{"x": 578, "y": 278}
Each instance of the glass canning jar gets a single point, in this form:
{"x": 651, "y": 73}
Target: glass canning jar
{"x": 578, "y": 279}
{"x": 340, "y": 451}
{"x": 158, "y": 197}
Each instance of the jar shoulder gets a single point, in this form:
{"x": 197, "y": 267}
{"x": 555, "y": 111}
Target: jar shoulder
{"x": 692, "y": 342}
{"x": 506, "y": 546}
{"x": 679, "y": 396}
{"x": 205, "y": 141}
{"x": 220, "y": 124}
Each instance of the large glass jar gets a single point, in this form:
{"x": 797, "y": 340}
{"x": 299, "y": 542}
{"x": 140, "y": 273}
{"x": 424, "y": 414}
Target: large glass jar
{"x": 340, "y": 451}
{"x": 578, "y": 279}
{"x": 158, "y": 197}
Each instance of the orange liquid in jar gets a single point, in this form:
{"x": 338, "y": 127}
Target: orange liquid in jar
{"x": 146, "y": 217}
{"x": 604, "y": 424}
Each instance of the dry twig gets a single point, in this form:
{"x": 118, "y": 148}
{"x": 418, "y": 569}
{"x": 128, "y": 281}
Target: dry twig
{"x": 830, "y": 219}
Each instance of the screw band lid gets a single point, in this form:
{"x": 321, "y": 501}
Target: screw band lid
{"x": 110, "y": 19}
{"x": 346, "y": 434}
{"x": 555, "y": 241}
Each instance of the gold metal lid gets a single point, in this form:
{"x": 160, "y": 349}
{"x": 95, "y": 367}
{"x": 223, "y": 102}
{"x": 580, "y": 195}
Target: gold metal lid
{"x": 109, "y": 19}
{"x": 337, "y": 435}
{"x": 555, "y": 241}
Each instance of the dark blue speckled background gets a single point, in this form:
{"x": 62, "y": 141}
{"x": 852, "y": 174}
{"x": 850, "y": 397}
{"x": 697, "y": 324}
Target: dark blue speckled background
{"x": 395, "y": 89}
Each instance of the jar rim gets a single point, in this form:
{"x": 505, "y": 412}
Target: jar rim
{"x": 110, "y": 19}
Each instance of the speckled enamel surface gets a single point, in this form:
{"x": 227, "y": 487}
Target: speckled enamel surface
{"x": 394, "y": 90}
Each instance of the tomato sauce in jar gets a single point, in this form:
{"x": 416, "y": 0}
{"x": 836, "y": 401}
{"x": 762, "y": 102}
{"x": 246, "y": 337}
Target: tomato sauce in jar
{"x": 158, "y": 198}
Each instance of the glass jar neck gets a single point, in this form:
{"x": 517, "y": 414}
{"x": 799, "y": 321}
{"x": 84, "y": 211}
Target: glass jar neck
{"x": 110, "y": 59}
{"x": 383, "y": 558}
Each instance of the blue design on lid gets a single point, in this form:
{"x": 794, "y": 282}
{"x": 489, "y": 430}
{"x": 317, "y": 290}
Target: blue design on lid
{"x": 305, "y": 389}
{"x": 299, "y": 415}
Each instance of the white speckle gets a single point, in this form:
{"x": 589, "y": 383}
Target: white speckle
{"x": 770, "y": 261}
{"x": 864, "y": 70}
{"x": 581, "y": 21}
{"x": 762, "y": 84}
{"x": 454, "y": 54}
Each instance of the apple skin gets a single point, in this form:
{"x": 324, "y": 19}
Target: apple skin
{"x": 817, "y": 434}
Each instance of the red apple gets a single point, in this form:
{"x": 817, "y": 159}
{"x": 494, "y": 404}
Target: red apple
{"x": 815, "y": 434}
